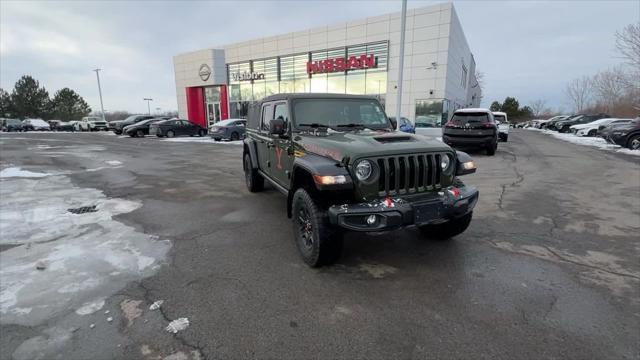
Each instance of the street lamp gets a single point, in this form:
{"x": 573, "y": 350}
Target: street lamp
{"x": 148, "y": 100}
{"x": 100, "y": 91}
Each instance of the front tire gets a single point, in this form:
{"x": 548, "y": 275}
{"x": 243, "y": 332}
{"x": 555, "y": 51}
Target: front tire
{"x": 449, "y": 229}
{"x": 235, "y": 136}
{"x": 253, "y": 179}
{"x": 170, "y": 134}
{"x": 592, "y": 132}
{"x": 634, "y": 142}
{"x": 202, "y": 132}
{"x": 317, "y": 242}
{"x": 140, "y": 133}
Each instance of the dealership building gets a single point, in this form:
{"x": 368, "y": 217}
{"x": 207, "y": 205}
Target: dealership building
{"x": 356, "y": 57}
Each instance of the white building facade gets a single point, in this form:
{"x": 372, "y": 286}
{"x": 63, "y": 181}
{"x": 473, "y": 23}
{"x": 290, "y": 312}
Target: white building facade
{"x": 356, "y": 57}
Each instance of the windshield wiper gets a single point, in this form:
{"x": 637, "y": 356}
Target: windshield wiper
{"x": 352, "y": 125}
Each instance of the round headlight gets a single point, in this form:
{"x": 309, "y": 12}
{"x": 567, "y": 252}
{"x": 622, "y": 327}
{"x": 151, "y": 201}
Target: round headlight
{"x": 364, "y": 170}
{"x": 445, "y": 161}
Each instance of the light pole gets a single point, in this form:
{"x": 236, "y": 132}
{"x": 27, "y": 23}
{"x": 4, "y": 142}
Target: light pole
{"x": 148, "y": 100}
{"x": 100, "y": 91}
{"x": 403, "y": 19}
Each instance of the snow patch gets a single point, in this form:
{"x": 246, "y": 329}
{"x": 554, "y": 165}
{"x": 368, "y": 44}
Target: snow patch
{"x": 89, "y": 256}
{"x": 596, "y": 142}
{"x": 113, "y": 162}
{"x": 14, "y": 172}
{"x": 90, "y": 307}
{"x": 203, "y": 140}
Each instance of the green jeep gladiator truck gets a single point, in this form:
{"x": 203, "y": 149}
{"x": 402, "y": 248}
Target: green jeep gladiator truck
{"x": 344, "y": 167}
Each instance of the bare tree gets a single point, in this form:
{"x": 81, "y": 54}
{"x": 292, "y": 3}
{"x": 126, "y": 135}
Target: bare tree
{"x": 610, "y": 86}
{"x": 538, "y": 107}
{"x": 628, "y": 44}
{"x": 579, "y": 92}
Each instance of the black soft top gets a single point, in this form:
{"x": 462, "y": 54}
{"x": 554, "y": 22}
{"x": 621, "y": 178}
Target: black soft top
{"x": 253, "y": 118}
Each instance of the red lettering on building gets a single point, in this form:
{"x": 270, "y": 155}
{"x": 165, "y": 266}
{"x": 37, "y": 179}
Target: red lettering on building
{"x": 342, "y": 64}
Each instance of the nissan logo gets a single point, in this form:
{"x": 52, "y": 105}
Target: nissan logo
{"x": 205, "y": 72}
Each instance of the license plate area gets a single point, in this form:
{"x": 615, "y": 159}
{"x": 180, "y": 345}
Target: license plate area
{"x": 426, "y": 212}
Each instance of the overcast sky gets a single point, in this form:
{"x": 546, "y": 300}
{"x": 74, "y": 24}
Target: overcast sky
{"x": 526, "y": 49}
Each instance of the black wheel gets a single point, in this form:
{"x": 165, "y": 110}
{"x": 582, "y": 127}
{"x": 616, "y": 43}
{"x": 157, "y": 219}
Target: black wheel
{"x": 634, "y": 142}
{"x": 140, "y": 133}
{"x": 132, "y": 134}
{"x": 202, "y": 132}
{"x": 234, "y": 136}
{"x": 592, "y": 132}
{"x": 505, "y": 137}
{"x": 491, "y": 150}
{"x": 254, "y": 181}
{"x": 447, "y": 230}
{"x": 158, "y": 135}
{"x": 170, "y": 134}
{"x": 317, "y": 242}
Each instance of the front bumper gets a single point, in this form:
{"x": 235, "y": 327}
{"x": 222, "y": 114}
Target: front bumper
{"x": 393, "y": 213}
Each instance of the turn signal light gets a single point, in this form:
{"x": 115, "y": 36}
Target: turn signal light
{"x": 330, "y": 180}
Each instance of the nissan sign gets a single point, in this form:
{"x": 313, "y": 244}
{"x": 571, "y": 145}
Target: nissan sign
{"x": 205, "y": 72}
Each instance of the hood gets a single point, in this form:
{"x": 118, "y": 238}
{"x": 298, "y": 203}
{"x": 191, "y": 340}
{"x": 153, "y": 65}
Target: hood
{"x": 345, "y": 146}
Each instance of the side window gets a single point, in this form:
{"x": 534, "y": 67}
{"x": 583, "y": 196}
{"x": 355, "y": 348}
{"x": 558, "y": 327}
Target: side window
{"x": 267, "y": 111}
{"x": 282, "y": 112}
{"x": 185, "y": 123}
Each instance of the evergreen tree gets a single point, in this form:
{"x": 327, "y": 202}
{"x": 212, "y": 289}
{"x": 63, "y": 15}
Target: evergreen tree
{"x": 5, "y": 103}
{"x": 28, "y": 99}
{"x": 68, "y": 105}
{"x": 511, "y": 107}
{"x": 495, "y": 106}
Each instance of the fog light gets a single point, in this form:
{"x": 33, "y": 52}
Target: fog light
{"x": 371, "y": 219}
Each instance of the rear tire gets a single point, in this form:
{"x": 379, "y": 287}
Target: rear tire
{"x": 235, "y": 136}
{"x": 140, "y": 133}
{"x": 592, "y": 132}
{"x": 505, "y": 137}
{"x": 170, "y": 134}
{"x": 447, "y": 230}
{"x": 491, "y": 150}
{"x": 253, "y": 179}
{"x": 202, "y": 132}
{"x": 318, "y": 243}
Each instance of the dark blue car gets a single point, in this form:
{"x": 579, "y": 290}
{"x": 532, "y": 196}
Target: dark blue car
{"x": 230, "y": 129}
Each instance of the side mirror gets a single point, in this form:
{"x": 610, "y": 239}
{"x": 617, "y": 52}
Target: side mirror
{"x": 276, "y": 127}
{"x": 394, "y": 123}
{"x": 465, "y": 164}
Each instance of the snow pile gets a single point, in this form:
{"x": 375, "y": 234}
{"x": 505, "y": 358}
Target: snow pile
{"x": 205, "y": 140}
{"x": 596, "y": 142}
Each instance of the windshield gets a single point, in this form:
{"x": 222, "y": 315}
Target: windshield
{"x": 499, "y": 118}
{"x": 469, "y": 118}
{"x": 340, "y": 113}
{"x": 13, "y": 122}
{"x": 131, "y": 118}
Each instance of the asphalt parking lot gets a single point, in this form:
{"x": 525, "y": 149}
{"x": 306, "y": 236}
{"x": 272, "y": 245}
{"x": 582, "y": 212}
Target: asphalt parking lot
{"x": 548, "y": 268}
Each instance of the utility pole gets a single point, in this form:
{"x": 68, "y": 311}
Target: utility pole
{"x": 100, "y": 91}
{"x": 148, "y": 100}
{"x": 403, "y": 20}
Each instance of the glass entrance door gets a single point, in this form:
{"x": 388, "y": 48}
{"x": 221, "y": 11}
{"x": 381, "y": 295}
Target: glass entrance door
{"x": 213, "y": 113}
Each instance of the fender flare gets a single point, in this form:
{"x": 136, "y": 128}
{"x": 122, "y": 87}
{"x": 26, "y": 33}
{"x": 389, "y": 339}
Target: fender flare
{"x": 250, "y": 147}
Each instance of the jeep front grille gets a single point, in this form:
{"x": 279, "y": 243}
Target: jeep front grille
{"x": 408, "y": 174}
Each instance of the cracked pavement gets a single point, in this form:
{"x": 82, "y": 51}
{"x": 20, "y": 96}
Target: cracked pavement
{"x": 548, "y": 268}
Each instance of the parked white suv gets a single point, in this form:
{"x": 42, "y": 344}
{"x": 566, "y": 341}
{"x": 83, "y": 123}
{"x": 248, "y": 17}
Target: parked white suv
{"x": 503, "y": 125}
{"x": 90, "y": 123}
